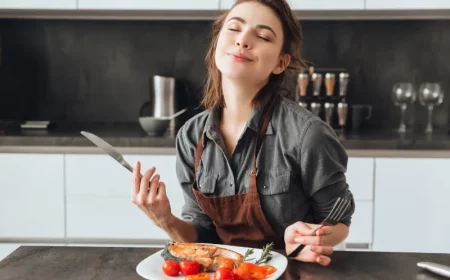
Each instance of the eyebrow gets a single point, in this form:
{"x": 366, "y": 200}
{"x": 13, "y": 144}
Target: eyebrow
{"x": 260, "y": 26}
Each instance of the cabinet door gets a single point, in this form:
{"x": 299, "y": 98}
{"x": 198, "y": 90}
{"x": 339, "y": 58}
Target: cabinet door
{"x": 31, "y": 196}
{"x": 304, "y": 5}
{"x": 412, "y": 205}
{"x": 360, "y": 172}
{"x": 407, "y": 4}
{"x": 39, "y": 4}
{"x": 360, "y": 236}
{"x": 149, "y": 5}
{"x": 102, "y": 219}
{"x": 99, "y": 197}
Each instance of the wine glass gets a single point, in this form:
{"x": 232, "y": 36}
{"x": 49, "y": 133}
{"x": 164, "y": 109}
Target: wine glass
{"x": 430, "y": 95}
{"x": 402, "y": 95}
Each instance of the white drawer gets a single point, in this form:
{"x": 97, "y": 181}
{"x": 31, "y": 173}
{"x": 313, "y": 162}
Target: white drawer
{"x": 100, "y": 175}
{"x": 111, "y": 218}
{"x": 361, "y": 229}
{"x": 360, "y": 177}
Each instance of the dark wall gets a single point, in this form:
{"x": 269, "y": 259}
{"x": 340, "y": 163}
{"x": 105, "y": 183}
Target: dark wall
{"x": 69, "y": 70}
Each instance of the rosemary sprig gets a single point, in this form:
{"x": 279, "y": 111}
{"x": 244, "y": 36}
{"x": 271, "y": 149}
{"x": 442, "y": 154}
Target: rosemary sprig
{"x": 266, "y": 254}
{"x": 247, "y": 254}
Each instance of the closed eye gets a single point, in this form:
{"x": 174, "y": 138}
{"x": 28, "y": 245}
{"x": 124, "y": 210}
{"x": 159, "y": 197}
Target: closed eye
{"x": 265, "y": 39}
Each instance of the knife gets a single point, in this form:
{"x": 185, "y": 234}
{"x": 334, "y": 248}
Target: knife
{"x": 107, "y": 148}
{"x": 439, "y": 269}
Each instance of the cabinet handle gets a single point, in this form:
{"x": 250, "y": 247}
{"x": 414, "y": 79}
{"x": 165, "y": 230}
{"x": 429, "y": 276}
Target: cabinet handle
{"x": 359, "y": 246}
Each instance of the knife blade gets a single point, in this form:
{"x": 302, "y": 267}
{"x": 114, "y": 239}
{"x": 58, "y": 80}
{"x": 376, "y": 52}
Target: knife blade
{"x": 107, "y": 148}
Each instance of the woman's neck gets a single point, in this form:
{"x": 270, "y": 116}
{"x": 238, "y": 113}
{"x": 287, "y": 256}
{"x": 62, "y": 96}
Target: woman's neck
{"x": 238, "y": 102}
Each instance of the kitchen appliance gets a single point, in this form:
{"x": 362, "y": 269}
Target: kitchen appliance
{"x": 168, "y": 95}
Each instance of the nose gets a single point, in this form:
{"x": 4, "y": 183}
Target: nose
{"x": 243, "y": 41}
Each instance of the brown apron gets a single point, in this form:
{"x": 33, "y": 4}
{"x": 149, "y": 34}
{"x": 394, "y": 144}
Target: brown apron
{"x": 239, "y": 218}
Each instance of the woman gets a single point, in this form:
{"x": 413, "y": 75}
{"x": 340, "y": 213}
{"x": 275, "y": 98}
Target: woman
{"x": 254, "y": 167}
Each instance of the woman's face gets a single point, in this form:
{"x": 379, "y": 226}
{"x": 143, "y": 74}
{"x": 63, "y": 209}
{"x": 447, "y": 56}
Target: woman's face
{"x": 249, "y": 44}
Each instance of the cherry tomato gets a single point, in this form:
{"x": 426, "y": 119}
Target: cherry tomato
{"x": 200, "y": 276}
{"x": 171, "y": 268}
{"x": 224, "y": 273}
{"x": 189, "y": 267}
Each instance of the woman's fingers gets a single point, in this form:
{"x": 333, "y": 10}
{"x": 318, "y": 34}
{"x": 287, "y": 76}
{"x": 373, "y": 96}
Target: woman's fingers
{"x": 301, "y": 228}
{"x": 144, "y": 186}
{"x": 136, "y": 179}
{"x": 154, "y": 183}
{"x": 309, "y": 240}
{"x": 322, "y": 250}
{"x": 323, "y": 260}
{"x": 161, "y": 191}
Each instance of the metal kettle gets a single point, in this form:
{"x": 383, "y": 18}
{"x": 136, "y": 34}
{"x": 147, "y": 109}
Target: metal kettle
{"x": 168, "y": 96}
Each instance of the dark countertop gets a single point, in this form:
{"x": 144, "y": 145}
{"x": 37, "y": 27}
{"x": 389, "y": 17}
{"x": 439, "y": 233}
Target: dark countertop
{"x": 73, "y": 263}
{"x": 131, "y": 136}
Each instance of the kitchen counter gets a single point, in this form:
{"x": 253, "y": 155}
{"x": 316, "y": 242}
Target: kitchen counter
{"x": 130, "y": 138}
{"x": 72, "y": 263}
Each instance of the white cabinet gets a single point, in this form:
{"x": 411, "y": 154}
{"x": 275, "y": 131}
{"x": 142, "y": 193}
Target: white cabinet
{"x": 31, "y": 196}
{"x": 360, "y": 178}
{"x": 99, "y": 197}
{"x": 361, "y": 229}
{"x": 412, "y": 205}
{"x": 304, "y": 5}
{"x": 148, "y": 5}
{"x": 360, "y": 172}
{"x": 39, "y": 4}
{"x": 407, "y": 4}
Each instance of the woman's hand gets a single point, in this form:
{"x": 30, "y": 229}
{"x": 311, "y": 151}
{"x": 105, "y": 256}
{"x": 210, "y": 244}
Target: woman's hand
{"x": 150, "y": 196}
{"x": 315, "y": 249}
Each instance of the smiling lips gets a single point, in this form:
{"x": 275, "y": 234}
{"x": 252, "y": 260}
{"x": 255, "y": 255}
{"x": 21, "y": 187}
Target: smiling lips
{"x": 239, "y": 57}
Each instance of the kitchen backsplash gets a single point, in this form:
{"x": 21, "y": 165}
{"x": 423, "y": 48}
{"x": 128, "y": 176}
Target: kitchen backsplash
{"x": 99, "y": 71}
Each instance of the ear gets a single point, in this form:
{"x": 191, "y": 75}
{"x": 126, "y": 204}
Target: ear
{"x": 283, "y": 62}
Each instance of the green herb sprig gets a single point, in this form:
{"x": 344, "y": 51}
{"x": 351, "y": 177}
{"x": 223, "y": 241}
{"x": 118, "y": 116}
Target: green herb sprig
{"x": 247, "y": 254}
{"x": 266, "y": 254}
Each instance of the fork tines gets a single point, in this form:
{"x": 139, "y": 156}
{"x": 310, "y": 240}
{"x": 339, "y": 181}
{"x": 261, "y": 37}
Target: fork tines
{"x": 340, "y": 207}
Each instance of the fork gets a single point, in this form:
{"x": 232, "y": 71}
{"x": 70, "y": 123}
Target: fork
{"x": 340, "y": 207}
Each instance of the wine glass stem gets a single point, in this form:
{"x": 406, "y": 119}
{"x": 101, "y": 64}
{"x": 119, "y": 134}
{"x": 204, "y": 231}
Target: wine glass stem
{"x": 430, "y": 117}
{"x": 402, "y": 127}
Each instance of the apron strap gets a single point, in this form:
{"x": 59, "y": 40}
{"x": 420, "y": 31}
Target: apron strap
{"x": 267, "y": 116}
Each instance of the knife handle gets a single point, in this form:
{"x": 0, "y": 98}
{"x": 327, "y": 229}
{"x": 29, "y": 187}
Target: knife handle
{"x": 439, "y": 269}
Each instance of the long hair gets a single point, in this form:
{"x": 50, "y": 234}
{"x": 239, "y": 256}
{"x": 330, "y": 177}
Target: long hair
{"x": 293, "y": 37}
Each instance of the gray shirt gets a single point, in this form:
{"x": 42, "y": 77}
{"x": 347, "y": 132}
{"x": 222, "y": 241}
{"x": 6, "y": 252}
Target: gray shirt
{"x": 301, "y": 167}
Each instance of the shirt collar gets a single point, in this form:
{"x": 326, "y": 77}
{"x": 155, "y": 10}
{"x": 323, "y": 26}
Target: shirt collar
{"x": 211, "y": 129}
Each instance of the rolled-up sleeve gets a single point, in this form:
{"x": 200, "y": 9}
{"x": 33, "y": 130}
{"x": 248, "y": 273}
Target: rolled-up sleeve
{"x": 191, "y": 211}
{"x": 323, "y": 163}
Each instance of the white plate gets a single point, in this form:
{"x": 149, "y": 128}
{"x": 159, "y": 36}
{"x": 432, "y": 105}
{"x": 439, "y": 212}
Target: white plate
{"x": 151, "y": 267}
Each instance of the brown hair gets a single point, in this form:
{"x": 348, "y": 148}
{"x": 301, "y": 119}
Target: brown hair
{"x": 293, "y": 38}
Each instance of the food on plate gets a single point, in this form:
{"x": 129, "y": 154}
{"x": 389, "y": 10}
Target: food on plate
{"x": 171, "y": 268}
{"x": 189, "y": 267}
{"x": 224, "y": 273}
{"x": 200, "y": 276}
{"x": 210, "y": 257}
{"x": 194, "y": 260}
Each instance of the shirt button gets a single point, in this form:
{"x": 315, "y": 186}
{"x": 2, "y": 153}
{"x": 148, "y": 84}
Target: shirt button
{"x": 265, "y": 187}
